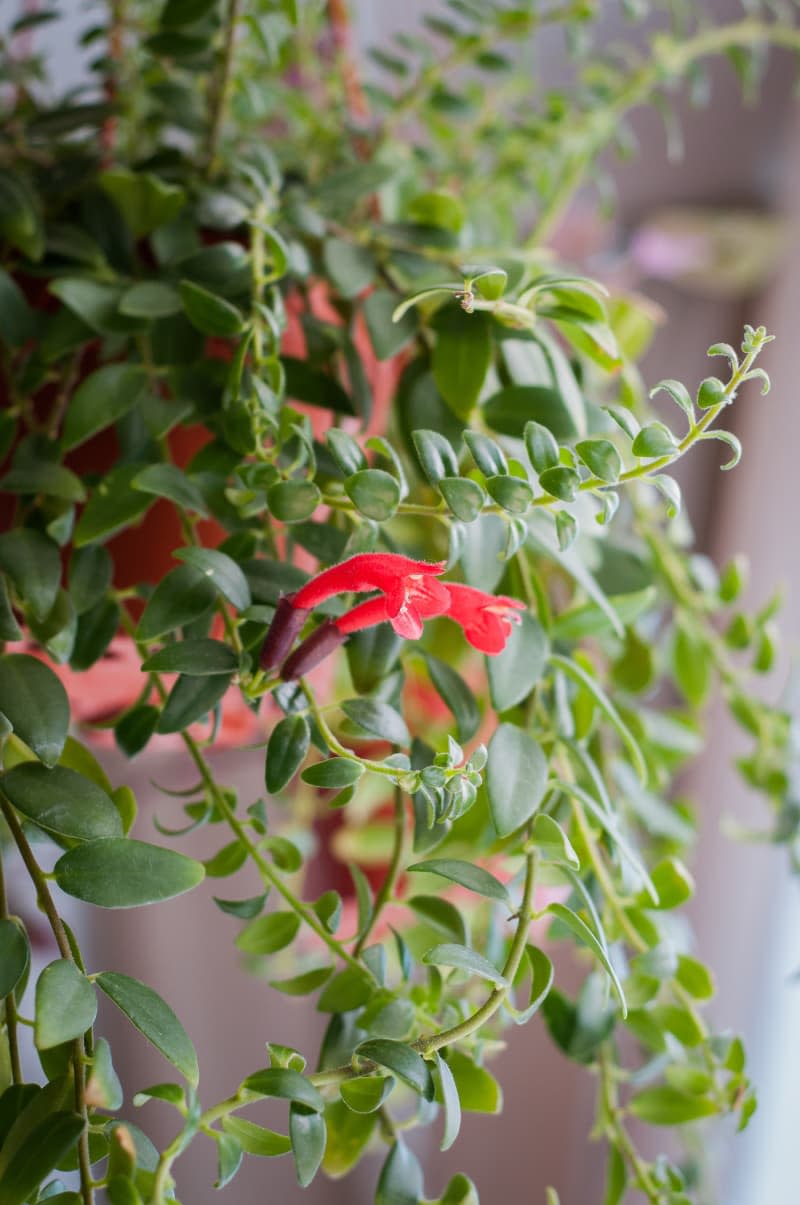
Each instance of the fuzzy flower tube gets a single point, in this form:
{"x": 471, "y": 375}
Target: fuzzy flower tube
{"x": 409, "y": 593}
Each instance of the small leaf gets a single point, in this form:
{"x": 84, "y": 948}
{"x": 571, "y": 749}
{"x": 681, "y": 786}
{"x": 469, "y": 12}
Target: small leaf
{"x": 464, "y": 496}
{"x": 653, "y": 441}
{"x": 100, "y": 400}
{"x": 200, "y": 658}
{"x": 515, "y": 670}
{"x": 377, "y": 718}
{"x": 390, "y": 328}
{"x": 35, "y": 704}
{"x": 113, "y": 505}
{"x": 118, "y": 872}
{"x": 350, "y": 266}
{"x": 308, "y": 1135}
{"x": 293, "y": 501}
{"x": 367, "y": 1093}
{"x": 561, "y": 482}
{"x": 463, "y": 958}
{"x": 679, "y": 394}
{"x": 222, "y": 571}
{"x": 585, "y": 935}
{"x": 513, "y": 494}
{"x": 154, "y": 1019}
{"x": 436, "y": 455}
{"x": 287, "y": 1085}
{"x": 190, "y": 699}
{"x": 550, "y": 839}
{"x": 727, "y": 437}
{"x": 401, "y": 1181}
{"x": 286, "y": 752}
{"x": 351, "y": 988}
{"x": 255, "y": 1139}
{"x": 440, "y": 914}
{"x": 66, "y": 1005}
{"x": 229, "y": 1159}
{"x": 33, "y": 564}
{"x": 168, "y": 481}
{"x": 14, "y": 955}
{"x": 375, "y": 493}
{"x": 62, "y": 802}
{"x": 268, "y": 933}
{"x": 182, "y": 596}
{"x": 333, "y": 774}
{"x": 457, "y": 695}
{"x": 210, "y": 314}
{"x": 451, "y": 1101}
{"x": 402, "y": 1061}
{"x": 474, "y": 878}
{"x": 601, "y": 458}
{"x": 666, "y": 1106}
{"x": 461, "y": 357}
{"x": 579, "y": 674}
{"x": 516, "y": 774}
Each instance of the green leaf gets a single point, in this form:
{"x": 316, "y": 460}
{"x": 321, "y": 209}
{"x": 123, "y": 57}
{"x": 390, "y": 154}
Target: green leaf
{"x": 463, "y": 958}
{"x": 308, "y": 1134}
{"x": 550, "y": 839}
{"x": 287, "y": 1085}
{"x": 694, "y": 977}
{"x": 665, "y": 1106}
{"x": 348, "y": 1135}
{"x": 66, "y": 1005}
{"x": 375, "y": 493}
{"x": 653, "y": 441}
{"x": 113, "y": 505}
{"x": 679, "y": 394}
{"x": 201, "y": 657}
{"x": 451, "y": 1101}
{"x": 293, "y": 501}
{"x": 542, "y": 975}
{"x": 673, "y": 884}
{"x": 154, "y": 1019}
{"x": 229, "y": 1159}
{"x": 103, "y": 1088}
{"x": 440, "y": 914}
{"x": 691, "y": 664}
{"x": 118, "y": 872}
{"x": 333, "y": 774}
{"x": 62, "y": 802}
{"x": 182, "y": 596}
{"x": 168, "y": 481}
{"x": 222, "y": 571}
{"x": 90, "y": 571}
{"x": 243, "y": 909}
{"x": 387, "y": 335}
{"x": 20, "y": 220}
{"x": 461, "y": 357}
{"x": 93, "y": 304}
{"x": 460, "y": 1191}
{"x": 255, "y": 1139}
{"x": 516, "y": 774}
{"x": 377, "y": 718}
{"x": 33, "y": 564}
{"x": 35, "y": 704}
{"x": 438, "y": 207}
{"x": 435, "y": 454}
{"x": 727, "y": 437}
{"x": 345, "y": 451}
{"x": 474, "y": 878}
{"x": 19, "y": 321}
{"x": 512, "y": 408}
{"x": 712, "y": 392}
{"x": 304, "y": 984}
{"x": 584, "y": 934}
{"x": 488, "y": 455}
{"x": 209, "y": 313}
{"x": 366, "y": 1094}
{"x": 400, "y": 1181}
{"x": 457, "y": 695}
{"x": 541, "y": 446}
{"x": 150, "y": 299}
{"x": 515, "y": 671}
{"x": 579, "y": 674}
{"x": 306, "y": 384}
{"x": 43, "y": 1149}
{"x": 601, "y": 458}
{"x": 351, "y": 988}
{"x": 561, "y": 482}
{"x": 190, "y": 699}
{"x": 43, "y": 477}
{"x": 14, "y": 955}
{"x": 185, "y": 12}
{"x": 135, "y": 729}
{"x": 350, "y": 266}
{"x": 478, "y": 1090}
{"x": 226, "y": 861}
{"x": 145, "y": 201}
{"x": 100, "y": 400}
{"x": 491, "y": 283}
{"x": 269, "y": 933}
{"x": 402, "y": 1061}
{"x": 9, "y": 628}
{"x": 512, "y": 493}
{"x": 464, "y": 497}
{"x": 286, "y": 752}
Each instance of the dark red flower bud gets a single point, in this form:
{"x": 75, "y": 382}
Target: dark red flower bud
{"x": 315, "y": 648}
{"x": 283, "y": 631}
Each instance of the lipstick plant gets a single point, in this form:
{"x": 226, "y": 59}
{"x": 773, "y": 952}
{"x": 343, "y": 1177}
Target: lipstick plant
{"x": 310, "y": 442}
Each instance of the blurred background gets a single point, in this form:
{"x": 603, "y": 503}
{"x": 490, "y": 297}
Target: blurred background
{"x": 736, "y": 183}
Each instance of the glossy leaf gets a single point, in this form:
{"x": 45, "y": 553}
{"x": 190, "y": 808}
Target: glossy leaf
{"x": 32, "y": 563}
{"x": 375, "y": 493}
{"x": 154, "y": 1019}
{"x": 182, "y": 596}
{"x": 199, "y": 658}
{"x": 401, "y": 1181}
{"x": 474, "y": 878}
{"x": 100, "y": 400}
{"x": 286, "y": 752}
{"x": 62, "y": 802}
{"x": 457, "y": 695}
{"x": 286, "y": 1084}
{"x": 36, "y": 705}
{"x": 190, "y": 699}
{"x": 66, "y": 1004}
{"x": 451, "y": 1101}
{"x": 211, "y": 314}
{"x": 402, "y": 1061}
{"x": 367, "y": 1093}
{"x": 516, "y": 774}
{"x": 307, "y": 1133}
{"x": 222, "y": 571}
{"x": 461, "y": 358}
{"x": 14, "y": 955}
{"x": 268, "y": 933}
{"x": 168, "y": 481}
{"x": 118, "y": 872}
{"x": 515, "y": 671}
{"x": 379, "y": 719}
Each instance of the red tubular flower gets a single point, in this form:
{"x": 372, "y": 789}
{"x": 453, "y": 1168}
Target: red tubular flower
{"x": 485, "y": 618}
{"x": 409, "y": 587}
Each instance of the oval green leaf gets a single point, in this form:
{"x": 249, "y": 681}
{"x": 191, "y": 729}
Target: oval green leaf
{"x": 121, "y": 873}
{"x": 35, "y": 704}
{"x": 62, "y": 802}
{"x": 154, "y": 1019}
{"x": 516, "y": 773}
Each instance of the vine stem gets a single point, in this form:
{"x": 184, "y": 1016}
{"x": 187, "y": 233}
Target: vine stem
{"x": 65, "y": 950}
{"x": 622, "y": 1138}
{"x": 10, "y": 1001}
{"x": 388, "y": 884}
{"x": 220, "y": 86}
{"x": 670, "y": 59}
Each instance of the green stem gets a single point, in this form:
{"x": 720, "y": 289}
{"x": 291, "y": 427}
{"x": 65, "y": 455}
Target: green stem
{"x": 336, "y": 746}
{"x": 220, "y": 87}
{"x": 670, "y": 58}
{"x": 388, "y": 884}
{"x": 618, "y": 1135}
{"x": 65, "y": 950}
{"x": 10, "y": 1003}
